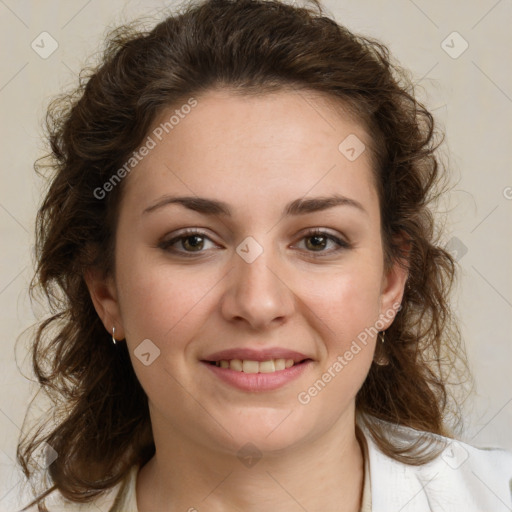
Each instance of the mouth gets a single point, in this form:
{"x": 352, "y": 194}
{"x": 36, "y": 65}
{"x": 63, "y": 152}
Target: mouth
{"x": 257, "y": 371}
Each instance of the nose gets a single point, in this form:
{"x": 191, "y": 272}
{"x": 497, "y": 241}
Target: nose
{"x": 257, "y": 293}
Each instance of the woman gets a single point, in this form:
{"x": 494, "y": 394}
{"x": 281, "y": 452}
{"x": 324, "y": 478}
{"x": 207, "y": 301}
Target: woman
{"x": 251, "y": 307}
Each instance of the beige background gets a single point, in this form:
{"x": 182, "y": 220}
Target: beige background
{"x": 471, "y": 96}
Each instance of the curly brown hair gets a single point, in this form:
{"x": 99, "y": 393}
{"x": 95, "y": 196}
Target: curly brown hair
{"x": 100, "y": 424}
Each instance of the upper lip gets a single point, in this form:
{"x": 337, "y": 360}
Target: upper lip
{"x": 256, "y": 355}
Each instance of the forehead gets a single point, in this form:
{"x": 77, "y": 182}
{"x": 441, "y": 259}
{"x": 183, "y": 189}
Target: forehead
{"x": 246, "y": 146}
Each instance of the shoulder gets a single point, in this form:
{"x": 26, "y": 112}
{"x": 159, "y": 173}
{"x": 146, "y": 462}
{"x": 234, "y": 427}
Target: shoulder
{"x": 460, "y": 478}
{"x": 120, "y": 498}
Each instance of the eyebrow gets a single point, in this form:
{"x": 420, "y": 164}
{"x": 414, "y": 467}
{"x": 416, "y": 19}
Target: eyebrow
{"x": 213, "y": 207}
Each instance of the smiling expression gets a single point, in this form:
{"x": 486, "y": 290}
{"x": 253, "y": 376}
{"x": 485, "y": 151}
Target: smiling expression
{"x": 247, "y": 235}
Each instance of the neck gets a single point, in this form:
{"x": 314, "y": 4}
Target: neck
{"x": 326, "y": 474}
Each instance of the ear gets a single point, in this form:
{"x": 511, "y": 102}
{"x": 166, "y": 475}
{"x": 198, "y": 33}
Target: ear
{"x": 104, "y": 296}
{"x": 393, "y": 286}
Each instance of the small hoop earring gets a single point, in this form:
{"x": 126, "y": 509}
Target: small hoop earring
{"x": 113, "y": 335}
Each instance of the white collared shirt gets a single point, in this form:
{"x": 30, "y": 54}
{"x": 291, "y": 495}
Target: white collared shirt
{"x": 461, "y": 478}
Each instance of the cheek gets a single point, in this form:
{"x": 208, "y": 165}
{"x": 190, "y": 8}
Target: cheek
{"x": 161, "y": 303}
{"x": 346, "y": 307}
{"x": 346, "y": 302}
{"x": 167, "y": 307}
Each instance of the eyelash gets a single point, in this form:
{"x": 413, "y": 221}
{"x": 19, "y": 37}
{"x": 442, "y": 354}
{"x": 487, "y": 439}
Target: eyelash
{"x": 167, "y": 244}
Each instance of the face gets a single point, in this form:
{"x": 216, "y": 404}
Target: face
{"x": 277, "y": 257}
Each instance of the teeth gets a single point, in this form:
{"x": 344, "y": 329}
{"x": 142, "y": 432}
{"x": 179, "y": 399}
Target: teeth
{"x": 248, "y": 366}
{"x": 236, "y": 364}
{"x": 267, "y": 366}
{"x": 280, "y": 364}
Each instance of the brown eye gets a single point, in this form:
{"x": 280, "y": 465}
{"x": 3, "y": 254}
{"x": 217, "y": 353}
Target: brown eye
{"x": 317, "y": 241}
{"x": 194, "y": 242}
{"x": 187, "y": 243}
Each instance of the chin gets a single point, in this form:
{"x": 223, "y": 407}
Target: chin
{"x": 272, "y": 430}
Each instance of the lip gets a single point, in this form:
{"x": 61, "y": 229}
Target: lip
{"x": 257, "y": 382}
{"x": 256, "y": 355}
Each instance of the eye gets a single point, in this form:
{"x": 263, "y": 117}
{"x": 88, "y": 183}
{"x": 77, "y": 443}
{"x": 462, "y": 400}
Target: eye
{"x": 187, "y": 243}
{"x": 317, "y": 240}
{"x": 192, "y": 243}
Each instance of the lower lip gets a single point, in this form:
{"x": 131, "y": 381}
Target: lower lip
{"x": 258, "y": 381}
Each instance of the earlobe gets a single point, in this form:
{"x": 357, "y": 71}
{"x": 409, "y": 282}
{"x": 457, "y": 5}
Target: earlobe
{"x": 104, "y": 298}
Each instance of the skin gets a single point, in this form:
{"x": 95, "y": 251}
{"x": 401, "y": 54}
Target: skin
{"x": 255, "y": 153}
